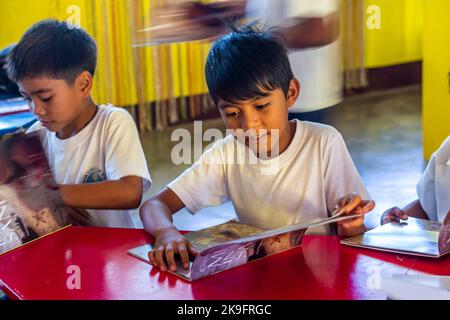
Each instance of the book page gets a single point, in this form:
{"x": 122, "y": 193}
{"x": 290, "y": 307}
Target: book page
{"x": 222, "y": 233}
{"x": 30, "y": 204}
{"x": 414, "y": 236}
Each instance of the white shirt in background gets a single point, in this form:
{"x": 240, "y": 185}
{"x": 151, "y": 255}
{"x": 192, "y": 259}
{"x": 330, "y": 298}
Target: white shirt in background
{"x": 433, "y": 188}
{"x": 318, "y": 69}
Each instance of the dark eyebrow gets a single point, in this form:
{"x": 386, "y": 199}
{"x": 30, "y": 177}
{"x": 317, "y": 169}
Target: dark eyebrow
{"x": 225, "y": 105}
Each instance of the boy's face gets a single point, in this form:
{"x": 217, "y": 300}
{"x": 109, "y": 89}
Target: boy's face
{"x": 53, "y": 101}
{"x": 263, "y": 120}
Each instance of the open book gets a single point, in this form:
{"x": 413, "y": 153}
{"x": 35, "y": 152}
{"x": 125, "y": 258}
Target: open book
{"x": 30, "y": 204}
{"x": 232, "y": 244}
{"x": 414, "y": 236}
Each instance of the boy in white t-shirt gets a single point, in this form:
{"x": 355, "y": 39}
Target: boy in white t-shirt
{"x": 292, "y": 171}
{"x": 433, "y": 190}
{"x": 94, "y": 151}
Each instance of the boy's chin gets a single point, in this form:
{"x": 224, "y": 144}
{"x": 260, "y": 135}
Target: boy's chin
{"x": 53, "y": 128}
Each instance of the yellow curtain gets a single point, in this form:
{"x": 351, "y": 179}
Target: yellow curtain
{"x": 167, "y": 78}
{"x": 352, "y": 41}
{"x": 152, "y": 76}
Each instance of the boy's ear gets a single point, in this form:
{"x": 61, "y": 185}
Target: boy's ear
{"x": 84, "y": 82}
{"x": 293, "y": 92}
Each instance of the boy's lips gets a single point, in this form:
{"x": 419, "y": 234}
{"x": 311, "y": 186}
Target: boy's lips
{"x": 45, "y": 123}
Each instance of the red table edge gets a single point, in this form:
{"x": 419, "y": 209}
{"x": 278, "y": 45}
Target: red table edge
{"x": 16, "y": 296}
{"x": 8, "y": 292}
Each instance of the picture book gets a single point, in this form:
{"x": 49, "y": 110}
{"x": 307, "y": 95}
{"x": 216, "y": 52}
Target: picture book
{"x": 30, "y": 204}
{"x": 232, "y": 244}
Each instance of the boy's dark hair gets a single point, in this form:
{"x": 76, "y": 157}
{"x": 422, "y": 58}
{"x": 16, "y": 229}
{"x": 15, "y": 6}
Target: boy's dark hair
{"x": 54, "y": 49}
{"x": 247, "y": 63}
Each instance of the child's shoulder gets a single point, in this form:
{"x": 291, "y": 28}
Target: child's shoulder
{"x": 319, "y": 131}
{"x": 110, "y": 116}
{"x": 445, "y": 145}
{"x": 443, "y": 153}
{"x": 113, "y": 113}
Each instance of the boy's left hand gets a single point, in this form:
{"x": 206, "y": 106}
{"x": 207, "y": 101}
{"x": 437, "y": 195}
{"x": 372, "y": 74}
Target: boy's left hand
{"x": 355, "y": 226}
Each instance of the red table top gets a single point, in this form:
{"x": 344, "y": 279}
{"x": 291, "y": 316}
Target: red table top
{"x": 319, "y": 269}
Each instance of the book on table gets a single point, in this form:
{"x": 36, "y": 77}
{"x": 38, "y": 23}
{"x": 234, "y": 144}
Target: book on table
{"x": 232, "y": 244}
{"x": 414, "y": 236}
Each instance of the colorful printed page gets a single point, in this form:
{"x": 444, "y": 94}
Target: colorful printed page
{"x": 30, "y": 204}
{"x": 232, "y": 244}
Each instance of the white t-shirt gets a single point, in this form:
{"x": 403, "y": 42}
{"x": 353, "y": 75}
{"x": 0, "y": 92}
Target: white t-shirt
{"x": 108, "y": 148}
{"x": 433, "y": 188}
{"x": 301, "y": 184}
{"x": 318, "y": 69}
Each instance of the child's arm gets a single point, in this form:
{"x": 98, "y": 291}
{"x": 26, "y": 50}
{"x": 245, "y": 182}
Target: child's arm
{"x": 125, "y": 193}
{"x": 395, "y": 214}
{"x": 156, "y": 215}
{"x": 307, "y": 32}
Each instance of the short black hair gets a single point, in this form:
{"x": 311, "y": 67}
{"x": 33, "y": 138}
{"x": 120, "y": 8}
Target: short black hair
{"x": 54, "y": 49}
{"x": 246, "y": 63}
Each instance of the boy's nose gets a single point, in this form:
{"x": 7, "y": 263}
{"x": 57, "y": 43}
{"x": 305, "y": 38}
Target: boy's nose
{"x": 37, "y": 108}
{"x": 250, "y": 121}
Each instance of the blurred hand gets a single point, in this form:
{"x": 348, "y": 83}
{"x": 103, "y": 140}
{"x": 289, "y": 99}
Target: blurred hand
{"x": 169, "y": 242}
{"x": 394, "y": 214}
{"x": 188, "y": 21}
{"x": 352, "y": 204}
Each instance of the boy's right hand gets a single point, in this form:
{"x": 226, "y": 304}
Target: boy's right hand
{"x": 169, "y": 242}
{"x": 394, "y": 214}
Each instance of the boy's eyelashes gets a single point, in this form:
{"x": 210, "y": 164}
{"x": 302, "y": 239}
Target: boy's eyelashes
{"x": 232, "y": 114}
{"x": 236, "y": 113}
{"x": 28, "y": 99}
{"x": 46, "y": 99}
{"x": 262, "y": 106}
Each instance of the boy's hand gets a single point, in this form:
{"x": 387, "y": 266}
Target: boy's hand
{"x": 169, "y": 242}
{"x": 355, "y": 226}
{"x": 394, "y": 214}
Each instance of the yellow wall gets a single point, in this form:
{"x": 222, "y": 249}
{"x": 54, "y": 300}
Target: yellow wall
{"x": 399, "y": 39}
{"x": 17, "y": 16}
{"x": 436, "y": 69}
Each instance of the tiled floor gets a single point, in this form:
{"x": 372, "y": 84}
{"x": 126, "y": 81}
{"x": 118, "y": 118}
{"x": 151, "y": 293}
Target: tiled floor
{"x": 383, "y": 132}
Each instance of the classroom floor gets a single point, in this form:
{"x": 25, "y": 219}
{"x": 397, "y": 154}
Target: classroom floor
{"x": 383, "y": 131}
